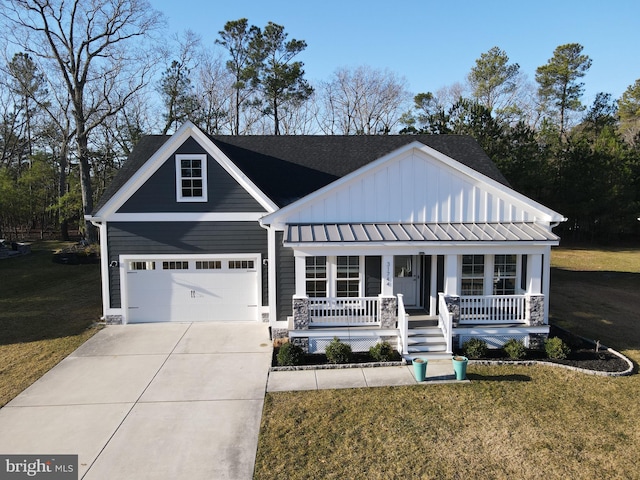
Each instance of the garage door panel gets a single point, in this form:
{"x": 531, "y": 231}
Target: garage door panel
{"x": 214, "y": 294}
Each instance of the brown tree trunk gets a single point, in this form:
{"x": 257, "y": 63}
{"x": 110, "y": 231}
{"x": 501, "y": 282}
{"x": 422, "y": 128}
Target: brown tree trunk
{"x": 91, "y": 234}
{"x": 62, "y": 190}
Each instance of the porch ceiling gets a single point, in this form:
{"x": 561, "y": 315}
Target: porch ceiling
{"x": 417, "y": 232}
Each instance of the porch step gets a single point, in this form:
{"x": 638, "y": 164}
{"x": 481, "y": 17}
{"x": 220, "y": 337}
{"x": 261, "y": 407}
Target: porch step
{"x": 425, "y": 340}
{"x": 422, "y": 322}
{"x": 428, "y": 355}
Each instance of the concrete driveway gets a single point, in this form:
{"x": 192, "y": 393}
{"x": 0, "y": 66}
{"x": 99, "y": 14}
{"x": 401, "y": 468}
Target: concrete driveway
{"x": 152, "y": 401}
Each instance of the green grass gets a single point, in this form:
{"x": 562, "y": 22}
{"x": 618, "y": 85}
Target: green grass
{"x": 509, "y": 422}
{"x": 46, "y": 312}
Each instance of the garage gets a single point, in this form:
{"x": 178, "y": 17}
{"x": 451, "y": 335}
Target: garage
{"x": 191, "y": 288}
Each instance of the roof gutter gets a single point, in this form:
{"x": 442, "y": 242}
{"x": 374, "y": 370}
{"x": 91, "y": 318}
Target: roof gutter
{"x": 95, "y": 221}
{"x": 555, "y": 224}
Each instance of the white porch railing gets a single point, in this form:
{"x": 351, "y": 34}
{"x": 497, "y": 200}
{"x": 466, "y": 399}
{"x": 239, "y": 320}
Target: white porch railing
{"x": 445, "y": 322}
{"x": 403, "y": 326}
{"x": 493, "y": 309}
{"x": 344, "y": 312}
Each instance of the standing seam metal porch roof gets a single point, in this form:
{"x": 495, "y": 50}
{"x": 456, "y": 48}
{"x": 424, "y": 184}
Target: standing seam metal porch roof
{"x": 417, "y": 232}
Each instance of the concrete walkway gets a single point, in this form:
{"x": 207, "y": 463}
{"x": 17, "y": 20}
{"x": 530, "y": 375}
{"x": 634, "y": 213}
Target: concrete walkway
{"x": 150, "y": 401}
{"x": 438, "y": 371}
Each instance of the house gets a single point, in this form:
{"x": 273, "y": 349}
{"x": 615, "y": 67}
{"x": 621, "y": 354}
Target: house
{"x": 418, "y": 240}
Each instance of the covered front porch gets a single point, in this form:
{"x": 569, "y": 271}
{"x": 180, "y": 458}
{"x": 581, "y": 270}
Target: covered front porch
{"x": 364, "y": 321}
{"x": 423, "y": 287}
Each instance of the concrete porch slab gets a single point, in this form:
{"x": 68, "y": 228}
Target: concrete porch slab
{"x": 440, "y": 370}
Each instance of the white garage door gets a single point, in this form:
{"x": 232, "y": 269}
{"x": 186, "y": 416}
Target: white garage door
{"x": 191, "y": 290}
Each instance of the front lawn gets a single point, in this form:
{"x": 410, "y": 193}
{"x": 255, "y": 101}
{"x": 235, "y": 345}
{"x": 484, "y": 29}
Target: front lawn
{"x": 509, "y": 422}
{"x": 46, "y": 312}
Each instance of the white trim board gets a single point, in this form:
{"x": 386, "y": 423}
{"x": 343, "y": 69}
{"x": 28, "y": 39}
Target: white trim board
{"x": 187, "y": 217}
{"x": 163, "y": 154}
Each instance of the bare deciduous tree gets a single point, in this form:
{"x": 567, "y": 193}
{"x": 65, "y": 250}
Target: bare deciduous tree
{"x": 213, "y": 86}
{"x": 97, "y": 48}
{"x": 362, "y": 101}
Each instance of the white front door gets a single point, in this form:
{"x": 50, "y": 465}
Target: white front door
{"x": 405, "y": 278}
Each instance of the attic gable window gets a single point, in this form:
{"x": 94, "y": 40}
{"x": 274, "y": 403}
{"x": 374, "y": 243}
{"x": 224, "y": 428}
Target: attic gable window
{"x": 191, "y": 178}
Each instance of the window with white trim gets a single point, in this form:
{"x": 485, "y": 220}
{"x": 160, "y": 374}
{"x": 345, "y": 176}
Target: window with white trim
{"x": 348, "y": 276}
{"x": 472, "y": 282}
{"x": 191, "y": 178}
{"x": 316, "y": 276}
{"x": 505, "y": 271}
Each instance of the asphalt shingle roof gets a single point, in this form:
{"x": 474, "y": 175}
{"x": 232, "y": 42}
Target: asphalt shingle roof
{"x": 287, "y": 168}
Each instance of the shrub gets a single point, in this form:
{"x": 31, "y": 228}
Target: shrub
{"x": 556, "y": 348}
{"x": 381, "y": 352}
{"x": 474, "y": 348}
{"x": 338, "y": 352}
{"x": 514, "y": 349}
{"x": 290, "y": 354}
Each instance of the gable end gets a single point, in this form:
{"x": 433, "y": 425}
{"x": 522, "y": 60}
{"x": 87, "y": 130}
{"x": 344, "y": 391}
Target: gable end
{"x": 160, "y": 192}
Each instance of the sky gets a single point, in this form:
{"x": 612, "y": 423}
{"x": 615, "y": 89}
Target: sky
{"x": 434, "y": 44}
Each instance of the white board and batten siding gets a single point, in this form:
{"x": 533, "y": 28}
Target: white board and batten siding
{"x": 417, "y": 188}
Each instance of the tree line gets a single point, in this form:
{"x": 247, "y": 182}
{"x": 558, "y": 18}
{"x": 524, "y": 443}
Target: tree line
{"x": 83, "y": 81}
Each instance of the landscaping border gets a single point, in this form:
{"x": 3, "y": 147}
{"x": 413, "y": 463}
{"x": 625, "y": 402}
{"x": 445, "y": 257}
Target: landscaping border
{"x": 628, "y": 371}
{"x": 337, "y": 366}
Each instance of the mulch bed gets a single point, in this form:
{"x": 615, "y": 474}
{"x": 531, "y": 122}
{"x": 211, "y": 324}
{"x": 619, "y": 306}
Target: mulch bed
{"x": 583, "y": 355}
{"x": 319, "y": 359}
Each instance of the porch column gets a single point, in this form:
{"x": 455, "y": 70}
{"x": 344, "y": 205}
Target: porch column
{"x": 387, "y": 275}
{"x": 301, "y": 287}
{"x": 388, "y": 306}
{"x": 453, "y": 305}
{"x": 534, "y": 267}
{"x": 489, "y": 272}
{"x": 434, "y": 286}
{"x": 546, "y": 273}
{"x": 451, "y": 275}
{"x": 301, "y": 319}
{"x": 535, "y": 309}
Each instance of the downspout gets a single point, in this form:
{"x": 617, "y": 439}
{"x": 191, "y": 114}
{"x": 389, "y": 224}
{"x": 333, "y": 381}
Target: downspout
{"x": 271, "y": 271}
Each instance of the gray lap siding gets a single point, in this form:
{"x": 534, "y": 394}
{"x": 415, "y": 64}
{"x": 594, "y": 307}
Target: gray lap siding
{"x": 158, "y": 194}
{"x": 164, "y": 238}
